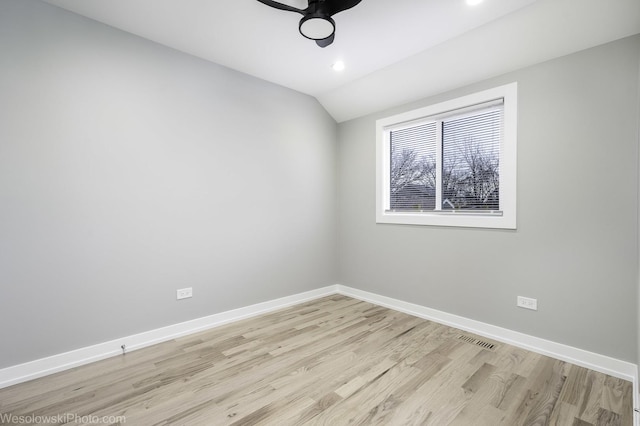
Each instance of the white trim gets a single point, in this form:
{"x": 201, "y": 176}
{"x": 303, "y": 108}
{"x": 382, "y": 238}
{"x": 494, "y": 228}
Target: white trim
{"x": 636, "y": 393}
{"x": 53, "y": 364}
{"x": 602, "y": 363}
{"x": 508, "y": 162}
{"x": 64, "y": 361}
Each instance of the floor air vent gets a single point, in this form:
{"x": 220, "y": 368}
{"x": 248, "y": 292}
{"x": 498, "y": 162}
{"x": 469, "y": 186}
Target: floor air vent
{"x": 477, "y": 342}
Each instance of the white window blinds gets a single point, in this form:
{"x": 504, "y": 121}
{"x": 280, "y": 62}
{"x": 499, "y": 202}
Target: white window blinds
{"x": 448, "y": 163}
{"x": 413, "y": 168}
{"x": 471, "y": 161}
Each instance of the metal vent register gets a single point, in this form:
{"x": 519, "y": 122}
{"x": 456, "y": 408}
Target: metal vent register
{"x": 477, "y": 342}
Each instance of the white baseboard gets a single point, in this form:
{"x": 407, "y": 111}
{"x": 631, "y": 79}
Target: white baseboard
{"x": 602, "y": 363}
{"x": 53, "y": 364}
{"x": 45, "y": 366}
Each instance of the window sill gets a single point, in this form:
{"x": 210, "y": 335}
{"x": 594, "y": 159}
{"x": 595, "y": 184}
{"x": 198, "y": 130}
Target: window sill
{"x": 495, "y": 220}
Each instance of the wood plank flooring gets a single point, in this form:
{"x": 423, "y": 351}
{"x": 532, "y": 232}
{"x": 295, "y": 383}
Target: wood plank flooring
{"x": 331, "y": 361}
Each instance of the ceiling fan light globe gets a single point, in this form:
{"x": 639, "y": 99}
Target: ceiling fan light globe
{"x": 317, "y": 27}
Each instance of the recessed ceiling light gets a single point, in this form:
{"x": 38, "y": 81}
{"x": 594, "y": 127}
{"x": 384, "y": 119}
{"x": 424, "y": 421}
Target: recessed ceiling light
{"x": 473, "y": 2}
{"x": 338, "y": 66}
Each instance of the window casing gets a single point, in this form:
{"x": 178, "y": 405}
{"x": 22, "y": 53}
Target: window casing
{"x": 450, "y": 164}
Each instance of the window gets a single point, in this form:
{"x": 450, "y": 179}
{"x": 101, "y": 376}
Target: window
{"x": 450, "y": 164}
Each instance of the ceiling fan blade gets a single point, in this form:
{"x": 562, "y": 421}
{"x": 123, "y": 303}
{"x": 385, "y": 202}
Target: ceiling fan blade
{"x": 326, "y": 41}
{"x": 335, "y": 6}
{"x": 281, "y": 6}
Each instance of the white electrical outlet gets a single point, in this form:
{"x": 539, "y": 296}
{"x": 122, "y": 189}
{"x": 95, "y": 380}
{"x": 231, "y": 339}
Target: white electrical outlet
{"x": 184, "y": 293}
{"x": 527, "y": 303}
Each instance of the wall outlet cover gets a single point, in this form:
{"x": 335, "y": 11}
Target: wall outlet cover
{"x": 527, "y": 303}
{"x": 184, "y": 293}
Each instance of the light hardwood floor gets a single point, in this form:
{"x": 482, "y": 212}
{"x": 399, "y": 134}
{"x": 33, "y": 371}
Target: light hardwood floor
{"x": 331, "y": 361}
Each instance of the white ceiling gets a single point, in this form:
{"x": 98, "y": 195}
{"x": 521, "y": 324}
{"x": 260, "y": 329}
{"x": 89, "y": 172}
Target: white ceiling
{"x": 395, "y": 51}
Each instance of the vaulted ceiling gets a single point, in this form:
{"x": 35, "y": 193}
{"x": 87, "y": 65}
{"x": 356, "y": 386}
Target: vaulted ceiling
{"x": 394, "y": 51}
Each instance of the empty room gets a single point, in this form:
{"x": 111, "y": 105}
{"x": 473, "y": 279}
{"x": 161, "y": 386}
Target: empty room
{"x": 319, "y": 212}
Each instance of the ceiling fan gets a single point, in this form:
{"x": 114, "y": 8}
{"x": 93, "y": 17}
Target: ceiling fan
{"x": 316, "y": 23}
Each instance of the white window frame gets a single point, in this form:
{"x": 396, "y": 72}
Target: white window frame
{"x": 506, "y": 217}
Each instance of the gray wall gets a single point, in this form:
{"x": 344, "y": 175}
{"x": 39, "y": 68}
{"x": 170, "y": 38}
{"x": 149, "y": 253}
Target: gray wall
{"x": 128, "y": 170}
{"x": 575, "y": 248}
